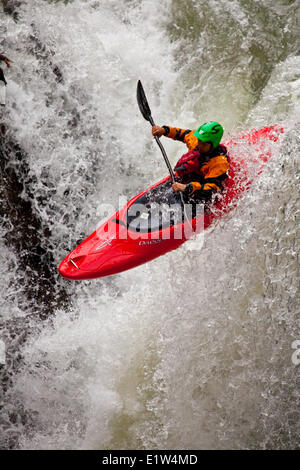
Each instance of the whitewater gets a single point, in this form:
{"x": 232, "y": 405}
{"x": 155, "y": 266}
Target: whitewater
{"x": 196, "y": 349}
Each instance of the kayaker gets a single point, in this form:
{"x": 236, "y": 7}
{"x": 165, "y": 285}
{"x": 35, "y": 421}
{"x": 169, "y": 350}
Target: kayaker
{"x": 204, "y": 168}
{"x": 7, "y": 61}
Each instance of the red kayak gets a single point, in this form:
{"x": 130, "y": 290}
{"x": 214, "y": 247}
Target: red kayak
{"x": 153, "y": 223}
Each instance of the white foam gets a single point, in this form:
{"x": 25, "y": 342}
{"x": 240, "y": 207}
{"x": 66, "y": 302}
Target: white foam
{"x": 190, "y": 350}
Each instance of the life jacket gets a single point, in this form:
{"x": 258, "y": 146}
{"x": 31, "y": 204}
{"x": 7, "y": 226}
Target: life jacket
{"x": 195, "y": 154}
{"x": 192, "y": 162}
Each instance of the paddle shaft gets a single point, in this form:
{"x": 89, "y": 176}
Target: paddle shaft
{"x": 170, "y": 171}
{"x": 146, "y": 112}
{"x": 163, "y": 152}
{"x": 169, "y": 167}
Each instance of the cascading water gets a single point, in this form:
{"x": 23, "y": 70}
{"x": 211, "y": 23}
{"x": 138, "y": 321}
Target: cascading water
{"x": 193, "y": 350}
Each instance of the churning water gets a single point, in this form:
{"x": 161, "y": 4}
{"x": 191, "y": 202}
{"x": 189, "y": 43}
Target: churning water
{"x": 193, "y": 350}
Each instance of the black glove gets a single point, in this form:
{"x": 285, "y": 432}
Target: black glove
{"x": 179, "y": 168}
{"x": 188, "y": 189}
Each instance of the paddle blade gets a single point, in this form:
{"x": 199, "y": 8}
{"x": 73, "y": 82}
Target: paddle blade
{"x": 142, "y": 102}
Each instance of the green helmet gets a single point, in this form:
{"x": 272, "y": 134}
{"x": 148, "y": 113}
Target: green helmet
{"x": 211, "y": 131}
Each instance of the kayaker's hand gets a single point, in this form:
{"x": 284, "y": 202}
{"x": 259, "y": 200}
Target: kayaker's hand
{"x": 178, "y": 187}
{"x": 157, "y": 130}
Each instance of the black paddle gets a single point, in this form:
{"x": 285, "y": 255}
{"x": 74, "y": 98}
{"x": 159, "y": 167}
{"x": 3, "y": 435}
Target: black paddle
{"x": 146, "y": 112}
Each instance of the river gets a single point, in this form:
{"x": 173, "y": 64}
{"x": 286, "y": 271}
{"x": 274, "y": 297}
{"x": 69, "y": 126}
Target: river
{"x": 193, "y": 350}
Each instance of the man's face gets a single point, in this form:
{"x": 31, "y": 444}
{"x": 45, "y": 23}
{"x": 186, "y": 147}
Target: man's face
{"x": 204, "y": 147}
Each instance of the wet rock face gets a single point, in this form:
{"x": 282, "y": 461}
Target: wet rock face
{"x": 13, "y": 334}
{"x": 25, "y": 233}
{"x": 43, "y": 54}
{"x": 36, "y": 285}
{"x": 11, "y": 6}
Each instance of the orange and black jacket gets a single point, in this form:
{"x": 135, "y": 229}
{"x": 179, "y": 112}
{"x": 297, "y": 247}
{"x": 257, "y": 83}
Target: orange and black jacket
{"x": 204, "y": 174}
